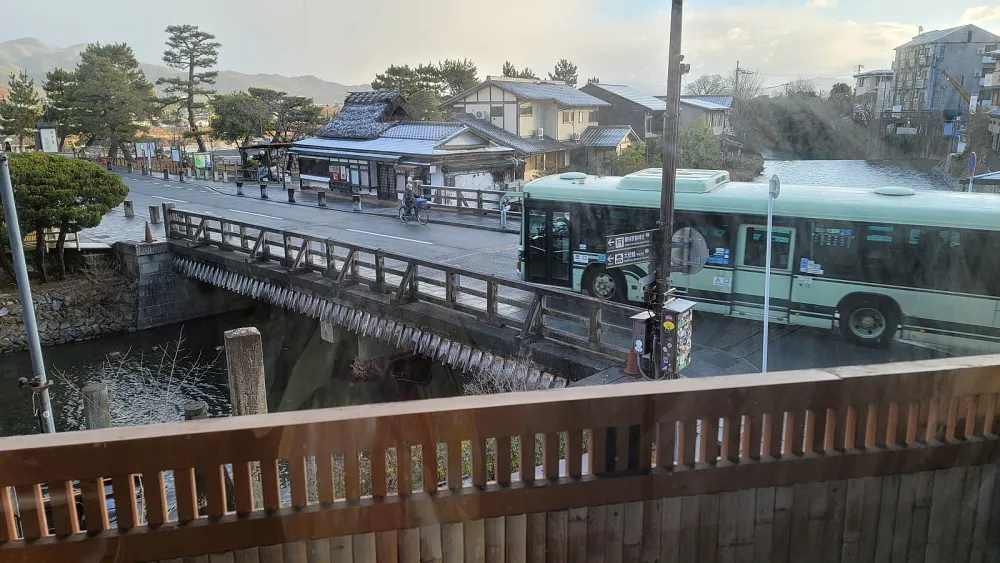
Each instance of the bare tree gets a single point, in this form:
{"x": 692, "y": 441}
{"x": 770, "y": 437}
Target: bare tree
{"x": 745, "y": 86}
{"x": 800, "y": 86}
{"x": 864, "y": 108}
{"x": 708, "y": 85}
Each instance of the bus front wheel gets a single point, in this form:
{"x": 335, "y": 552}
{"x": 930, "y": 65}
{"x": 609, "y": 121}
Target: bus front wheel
{"x": 868, "y": 321}
{"x": 605, "y": 284}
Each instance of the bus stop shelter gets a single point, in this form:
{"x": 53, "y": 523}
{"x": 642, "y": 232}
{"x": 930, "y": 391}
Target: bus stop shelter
{"x": 986, "y": 183}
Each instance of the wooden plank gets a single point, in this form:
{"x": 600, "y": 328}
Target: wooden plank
{"x": 754, "y": 429}
{"x": 378, "y": 471}
{"x": 431, "y": 550}
{"x": 632, "y": 533}
{"x": 833, "y": 536}
{"x": 670, "y": 530}
{"x": 597, "y": 450}
{"x": 364, "y": 548}
{"x": 386, "y": 546}
{"x": 773, "y": 427}
{"x": 494, "y": 530}
{"x": 887, "y": 518}
{"x": 515, "y": 538}
{"x": 921, "y": 516}
{"x": 352, "y": 478}
{"x": 526, "y": 457}
{"x": 686, "y": 442}
{"x": 782, "y": 526}
{"x": 269, "y": 484}
{"x": 615, "y": 533}
{"x": 799, "y": 525}
{"x": 550, "y": 455}
{"x": 404, "y": 469}
{"x": 324, "y": 478}
{"x": 155, "y": 496}
{"x": 967, "y": 510}
{"x": 938, "y": 516}
{"x": 95, "y": 505}
{"x": 454, "y": 465}
{"x": 8, "y": 528}
{"x": 709, "y": 441}
{"x": 763, "y": 532}
{"x": 652, "y": 520}
{"x": 453, "y": 542}
{"x": 597, "y": 525}
{"x": 574, "y": 453}
{"x": 621, "y": 448}
{"x": 251, "y": 555}
{"x": 557, "y": 537}
{"x": 227, "y": 557}
{"x": 869, "y": 516}
{"x": 535, "y": 535}
{"x": 63, "y": 509}
{"x": 665, "y": 443}
{"x": 690, "y": 528}
{"x": 746, "y": 513}
{"x": 949, "y": 532}
{"x": 126, "y": 511}
{"x": 577, "y": 534}
{"x": 503, "y": 460}
{"x": 270, "y": 554}
{"x": 853, "y": 518}
{"x": 475, "y": 541}
{"x": 903, "y": 522}
{"x": 409, "y": 545}
{"x": 318, "y": 551}
{"x": 727, "y": 527}
{"x": 986, "y": 514}
{"x": 429, "y": 461}
{"x": 294, "y": 552}
{"x": 187, "y": 495}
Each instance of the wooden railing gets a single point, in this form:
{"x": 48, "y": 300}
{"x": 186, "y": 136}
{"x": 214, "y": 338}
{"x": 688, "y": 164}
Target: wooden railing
{"x": 466, "y": 199}
{"x": 534, "y": 310}
{"x": 819, "y": 465}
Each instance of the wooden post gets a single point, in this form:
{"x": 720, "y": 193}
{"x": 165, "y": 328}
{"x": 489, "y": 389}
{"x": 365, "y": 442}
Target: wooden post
{"x": 154, "y": 214}
{"x": 129, "y": 209}
{"x": 96, "y": 408}
{"x": 247, "y": 388}
{"x": 321, "y": 198}
{"x": 196, "y": 410}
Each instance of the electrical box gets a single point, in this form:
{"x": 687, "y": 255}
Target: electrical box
{"x": 676, "y": 322}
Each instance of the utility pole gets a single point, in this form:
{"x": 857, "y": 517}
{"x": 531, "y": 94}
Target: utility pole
{"x": 669, "y": 178}
{"x": 858, "y": 69}
{"x": 39, "y": 384}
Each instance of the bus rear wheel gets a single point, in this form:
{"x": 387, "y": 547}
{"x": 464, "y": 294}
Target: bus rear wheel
{"x": 605, "y": 284}
{"x": 868, "y": 321}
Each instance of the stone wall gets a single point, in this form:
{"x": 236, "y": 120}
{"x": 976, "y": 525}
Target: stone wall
{"x": 95, "y": 304}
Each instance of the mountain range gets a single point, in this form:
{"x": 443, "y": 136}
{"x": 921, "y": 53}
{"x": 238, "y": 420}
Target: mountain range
{"x": 37, "y": 58}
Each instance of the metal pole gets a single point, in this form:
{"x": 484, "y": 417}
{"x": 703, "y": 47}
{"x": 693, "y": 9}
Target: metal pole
{"x": 24, "y": 290}
{"x": 669, "y": 175}
{"x": 772, "y": 193}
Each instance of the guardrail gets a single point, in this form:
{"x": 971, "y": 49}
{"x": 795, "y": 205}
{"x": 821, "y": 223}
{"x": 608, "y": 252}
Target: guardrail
{"x": 897, "y": 460}
{"x": 466, "y": 199}
{"x": 534, "y": 310}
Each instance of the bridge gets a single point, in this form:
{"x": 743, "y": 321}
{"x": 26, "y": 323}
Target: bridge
{"x": 896, "y": 462}
{"x": 466, "y": 319}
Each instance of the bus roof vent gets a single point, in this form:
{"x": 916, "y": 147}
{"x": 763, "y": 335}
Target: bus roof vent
{"x": 895, "y": 190}
{"x": 572, "y": 176}
{"x": 688, "y": 181}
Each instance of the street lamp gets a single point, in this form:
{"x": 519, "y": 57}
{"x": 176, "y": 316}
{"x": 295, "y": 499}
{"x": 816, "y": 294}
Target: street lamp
{"x": 772, "y": 194}
{"x": 39, "y": 384}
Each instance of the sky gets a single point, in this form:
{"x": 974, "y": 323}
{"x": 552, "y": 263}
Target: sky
{"x": 619, "y": 41}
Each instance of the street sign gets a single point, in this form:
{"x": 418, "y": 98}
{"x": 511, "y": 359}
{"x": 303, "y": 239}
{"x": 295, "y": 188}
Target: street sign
{"x": 774, "y": 187}
{"x": 202, "y": 160}
{"x": 629, "y": 256}
{"x": 630, "y": 240}
{"x": 972, "y": 164}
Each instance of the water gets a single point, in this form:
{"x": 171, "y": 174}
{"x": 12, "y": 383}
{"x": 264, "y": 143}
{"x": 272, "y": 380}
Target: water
{"x": 852, "y": 173}
{"x": 148, "y": 380}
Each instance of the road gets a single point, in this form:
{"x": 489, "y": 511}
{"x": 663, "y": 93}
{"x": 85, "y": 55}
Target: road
{"x": 722, "y": 345}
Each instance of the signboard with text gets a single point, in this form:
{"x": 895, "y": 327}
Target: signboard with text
{"x": 202, "y": 160}
{"x": 629, "y": 240}
{"x": 629, "y": 248}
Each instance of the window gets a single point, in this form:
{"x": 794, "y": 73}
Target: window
{"x": 353, "y": 172}
{"x": 968, "y": 38}
{"x": 524, "y": 111}
{"x": 755, "y": 249}
{"x": 314, "y": 167}
{"x": 592, "y": 118}
{"x": 567, "y": 117}
{"x": 496, "y": 111}
{"x": 579, "y": 117}
{"x": 717, "y": 232}
{"x": 830, "y": 249}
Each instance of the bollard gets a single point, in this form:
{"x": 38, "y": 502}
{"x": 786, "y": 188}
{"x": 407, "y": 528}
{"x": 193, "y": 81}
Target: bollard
{"x": 356, "y": 202}
{"x": 96, "y": 409}
{"x": 154, "y": 214}
{"x": 166, "y": 174}
{"x": 291, "y": 195}
{"x": 149, "y": 234}
{"x": 109, "y": 165}
{"x": 225, "y": 177}
{"x": 180, "y": 176}
{"x": 239, "y": 189}
{"x": 166, "y": 218}
{"x": 144, "y": 171}
{"x": 129, "y": 209}
{"x": 130, "y": 168}
{"x": 263, "y": 191}
{"x": 321, "y": 198}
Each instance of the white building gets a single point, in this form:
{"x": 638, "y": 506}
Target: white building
{"x": 877, "y": 86}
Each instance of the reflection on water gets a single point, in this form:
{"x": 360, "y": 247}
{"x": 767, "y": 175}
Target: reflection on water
{"x": 852, "y": 173}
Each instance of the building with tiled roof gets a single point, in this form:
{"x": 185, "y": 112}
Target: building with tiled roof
{"x": 628, "y": 106}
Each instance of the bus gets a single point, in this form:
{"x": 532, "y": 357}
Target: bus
{"x": 878, "y": 264}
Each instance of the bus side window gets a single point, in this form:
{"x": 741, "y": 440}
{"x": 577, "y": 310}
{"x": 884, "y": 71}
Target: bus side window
{"x": 832, "y": 247}
{"x": 717, "y": 233}
{"x": 589, "y": 220}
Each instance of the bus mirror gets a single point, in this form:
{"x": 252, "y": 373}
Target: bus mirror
{"x": 688, "y": 251}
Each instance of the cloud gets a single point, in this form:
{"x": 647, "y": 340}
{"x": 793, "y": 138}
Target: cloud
{"x": 980, "y": 14}
{"x": 822, "y": 3}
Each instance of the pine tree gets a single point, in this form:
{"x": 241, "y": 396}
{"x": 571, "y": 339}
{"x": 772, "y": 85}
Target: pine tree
{"x": 59, "y": 84}
{"x": 190, "y": 49}
{"x": 19, "y": 113}
{"x": 564, "y": 71}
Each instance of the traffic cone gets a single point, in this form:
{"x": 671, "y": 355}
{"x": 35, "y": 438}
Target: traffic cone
{"x": 149, "y": 233}
{"x": 632, "y": 362}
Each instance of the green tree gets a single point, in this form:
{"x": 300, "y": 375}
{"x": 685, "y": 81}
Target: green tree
{"x": 422, "y": 87}
{"x": 697, "y": 147}
{"x": 565, "y": 71}
{"x": 70, "y": 194}
{"x": 190, "y": 49}
{"x": 59, "y": 86}
{"x": 632, "y": 159}
{"x": 842, "y": 98}
{"x": 290, "y": 118}
{"x": 509, "y": 70}
{"x": 112, "y": 97}
{"x": 239, "y": 117}
{"x": 593, "y": 80}
{"x": 19, "y": 113}
{"x": 458, "y": 75}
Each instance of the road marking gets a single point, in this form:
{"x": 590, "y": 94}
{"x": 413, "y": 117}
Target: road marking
{"x": 255, "y": 214}
{"x": 388, "y": 236}
{"x": 168, "y": 199}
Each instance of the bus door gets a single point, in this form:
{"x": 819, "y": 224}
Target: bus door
{"x": 547, "y": 248}
{"x": 748, "y": 278}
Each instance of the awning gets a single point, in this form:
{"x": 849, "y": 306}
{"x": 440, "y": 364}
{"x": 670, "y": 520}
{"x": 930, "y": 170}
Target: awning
{"x": 987, "y": 179}
{"x": 334, "y": 153}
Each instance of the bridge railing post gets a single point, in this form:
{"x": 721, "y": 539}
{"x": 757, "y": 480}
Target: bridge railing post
{"x": 287, "y": 244}
{"x": 491, "y": 298}
{"x": 379, "y": 271}
{"x": 331, "y": 263}
{"x": 244, "y": 243}
{"x": 594, "y": 326}
{"x": 451, "y": 287}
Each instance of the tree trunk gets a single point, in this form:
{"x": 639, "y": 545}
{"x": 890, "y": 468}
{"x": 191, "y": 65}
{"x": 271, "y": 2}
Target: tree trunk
{"x": 190, "y": 102}
{"x": 20, "y": 143}
{"x": 40, "y": 254}
{"x": 5, "y": 264}
{"x": 113, "y": 151}
{"x": 62, "y": 142}
{"x": 61, "y": 249}
{"x": 126, "y": 152}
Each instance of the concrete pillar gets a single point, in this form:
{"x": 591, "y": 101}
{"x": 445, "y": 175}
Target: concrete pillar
{"x": 166, "y": 174}
{"x": 129, "y": 209}
{"x": 154, "y": 214}
{"x": 321, "y": 198}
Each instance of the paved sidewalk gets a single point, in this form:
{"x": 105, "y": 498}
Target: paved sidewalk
{"x": 308, "y": 198}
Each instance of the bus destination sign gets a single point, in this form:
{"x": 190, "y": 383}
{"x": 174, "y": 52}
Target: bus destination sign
{"x": 637, "y": 239}
{"x": 629, "y": 256}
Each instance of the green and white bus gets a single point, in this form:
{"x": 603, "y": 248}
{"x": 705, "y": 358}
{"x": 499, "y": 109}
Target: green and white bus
{"x": 880, "y": 263}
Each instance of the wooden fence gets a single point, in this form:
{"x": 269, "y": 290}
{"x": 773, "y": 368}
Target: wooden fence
{"x": 469, "y": 200}
{"x": 534, "y": 310}
{"x": 874, "y": 463}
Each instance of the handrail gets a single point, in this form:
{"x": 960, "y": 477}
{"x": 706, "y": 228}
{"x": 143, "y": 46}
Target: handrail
{"x": 589, "y": 322}
{"x": 481, "y": 201}
{"x": 775, "y": 429}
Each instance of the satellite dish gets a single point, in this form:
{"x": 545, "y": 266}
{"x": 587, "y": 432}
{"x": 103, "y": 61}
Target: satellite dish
{"x": 688, "y": 251}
